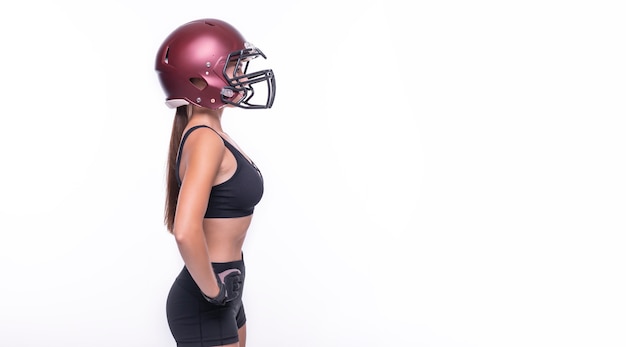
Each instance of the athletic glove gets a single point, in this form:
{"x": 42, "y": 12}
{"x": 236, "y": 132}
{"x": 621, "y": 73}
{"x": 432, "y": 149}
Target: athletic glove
{"x": 229, "y": 282}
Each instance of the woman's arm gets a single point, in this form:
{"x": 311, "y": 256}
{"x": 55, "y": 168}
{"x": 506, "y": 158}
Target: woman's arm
{"x": 201, "y": 158}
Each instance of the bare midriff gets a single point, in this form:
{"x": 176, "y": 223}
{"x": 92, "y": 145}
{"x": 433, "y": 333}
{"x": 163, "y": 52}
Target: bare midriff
{"x": 225, "y": 237}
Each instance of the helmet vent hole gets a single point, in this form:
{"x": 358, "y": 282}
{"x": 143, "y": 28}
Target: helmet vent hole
{"x": 166, "y": 59}
{"x": 211, "y": 24}
{"x": 198, "y": 83}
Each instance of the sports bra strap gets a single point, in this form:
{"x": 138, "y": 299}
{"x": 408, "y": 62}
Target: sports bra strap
{"x": 182, "y": 143}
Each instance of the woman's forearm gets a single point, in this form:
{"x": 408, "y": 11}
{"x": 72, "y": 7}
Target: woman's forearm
{"x": 193, "y": 249}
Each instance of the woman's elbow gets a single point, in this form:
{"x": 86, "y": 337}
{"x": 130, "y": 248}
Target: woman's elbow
{"x": 184, "y": 234}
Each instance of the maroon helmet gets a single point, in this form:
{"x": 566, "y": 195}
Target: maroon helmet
{"x": 191, "y": 64}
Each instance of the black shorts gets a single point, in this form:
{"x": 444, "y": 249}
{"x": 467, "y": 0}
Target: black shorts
{"x": 194, "y": 322}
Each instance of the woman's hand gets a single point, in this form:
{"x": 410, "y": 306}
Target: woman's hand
{"x": 229, "y": 282}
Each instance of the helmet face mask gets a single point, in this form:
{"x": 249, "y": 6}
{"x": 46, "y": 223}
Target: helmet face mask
{"x": 241, "y": 82}
{"x": 195, "y": 63}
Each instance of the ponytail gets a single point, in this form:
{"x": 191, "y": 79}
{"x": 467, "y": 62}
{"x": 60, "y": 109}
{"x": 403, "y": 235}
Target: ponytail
{"x": 172, "y": 190}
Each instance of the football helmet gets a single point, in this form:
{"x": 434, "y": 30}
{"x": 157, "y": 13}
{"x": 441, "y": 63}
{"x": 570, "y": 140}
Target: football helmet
{"x": 206, "y": 62}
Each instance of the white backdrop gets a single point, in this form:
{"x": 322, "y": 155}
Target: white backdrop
{"x": 445, "y": 173}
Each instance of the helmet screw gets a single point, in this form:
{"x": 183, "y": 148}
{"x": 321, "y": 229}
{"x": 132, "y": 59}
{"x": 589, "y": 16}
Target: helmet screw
{"x": 212, "y": 101}
{"x": 198, "y": 100}
{"x": 206, "y": 73}
{"x": 208, "y": 64}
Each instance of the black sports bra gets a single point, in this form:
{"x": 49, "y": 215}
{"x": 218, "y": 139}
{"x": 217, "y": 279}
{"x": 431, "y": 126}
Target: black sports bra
{"x": 237, "y": 196}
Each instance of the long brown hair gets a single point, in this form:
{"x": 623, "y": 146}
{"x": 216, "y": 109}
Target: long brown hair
{"x": 171, "y": 199}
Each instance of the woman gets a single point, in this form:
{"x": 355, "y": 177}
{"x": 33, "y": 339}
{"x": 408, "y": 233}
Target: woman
{"x": 212, "y": 186}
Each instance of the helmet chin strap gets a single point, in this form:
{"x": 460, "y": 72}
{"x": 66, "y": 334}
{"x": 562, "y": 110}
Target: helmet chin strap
{"x": 227, "y": 92}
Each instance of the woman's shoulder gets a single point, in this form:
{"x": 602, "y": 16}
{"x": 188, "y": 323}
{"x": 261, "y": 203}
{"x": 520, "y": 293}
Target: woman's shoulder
{"x": 201, "y": 139}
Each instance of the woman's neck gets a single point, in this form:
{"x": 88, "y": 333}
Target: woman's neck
{"x": 212, "y": 118}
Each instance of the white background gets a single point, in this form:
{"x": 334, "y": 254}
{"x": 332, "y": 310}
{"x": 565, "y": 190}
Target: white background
{"x": 438, "y": 173}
